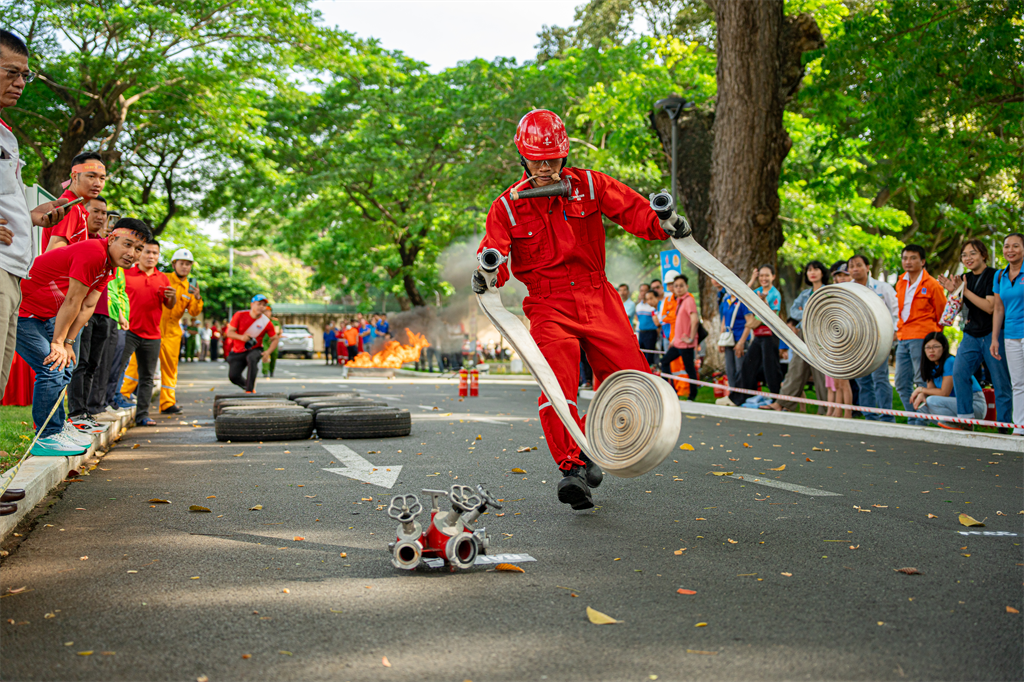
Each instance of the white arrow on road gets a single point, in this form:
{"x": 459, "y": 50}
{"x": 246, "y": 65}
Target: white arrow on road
{"x": 360, "y": 469}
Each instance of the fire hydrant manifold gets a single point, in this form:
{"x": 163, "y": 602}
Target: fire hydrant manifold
{"x": 450, "y": 536}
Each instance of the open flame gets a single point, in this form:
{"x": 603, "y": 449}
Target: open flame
{"x": 394, "y": 354}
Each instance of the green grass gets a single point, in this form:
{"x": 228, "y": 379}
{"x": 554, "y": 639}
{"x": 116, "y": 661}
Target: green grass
{"x": 15, "y": 434}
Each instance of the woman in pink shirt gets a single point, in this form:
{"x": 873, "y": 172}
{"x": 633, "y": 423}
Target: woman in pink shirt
{"x": 684, "y": 333}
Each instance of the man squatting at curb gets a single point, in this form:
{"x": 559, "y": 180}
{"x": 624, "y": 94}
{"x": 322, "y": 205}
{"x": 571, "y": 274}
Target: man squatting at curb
{"x": 562, "y": 262}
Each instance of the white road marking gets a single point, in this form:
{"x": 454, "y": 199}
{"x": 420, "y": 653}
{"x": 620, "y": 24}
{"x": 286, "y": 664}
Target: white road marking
{"x": 486, "y": 559}
{"x": 467, "y": 417}
{"x": 792, "y": 487}
{"x": 360, "y": 469}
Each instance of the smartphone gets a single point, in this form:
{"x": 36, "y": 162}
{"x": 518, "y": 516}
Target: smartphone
{"x": 112, "y": 218}
{"x": 68, "y": 205}
{"x": 193, "y": 282}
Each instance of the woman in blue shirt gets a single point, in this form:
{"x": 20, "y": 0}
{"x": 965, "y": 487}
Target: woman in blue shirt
{"x": 1008, "y": 317}
{"x": 647, "y": 327}
{"x": 733, "y": 314}
{"x": 938, "y": 395}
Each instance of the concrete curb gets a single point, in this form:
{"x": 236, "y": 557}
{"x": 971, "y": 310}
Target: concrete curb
{"x": 39, "y": 475}
{"x": 860, "y": 427}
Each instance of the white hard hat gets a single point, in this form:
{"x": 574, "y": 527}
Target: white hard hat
{"x": 670, "y": 276}
{"x": 183, "y": 254}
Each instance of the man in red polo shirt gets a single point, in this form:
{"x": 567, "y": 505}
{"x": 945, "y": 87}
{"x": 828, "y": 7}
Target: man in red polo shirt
{"x": 243, "y": 342}
{"x": 88, "y": 176}
{"x": 58, "y": 298}
{"x": 149, "y": 292}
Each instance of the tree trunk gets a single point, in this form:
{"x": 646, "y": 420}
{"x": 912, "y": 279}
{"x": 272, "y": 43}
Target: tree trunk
{"x": 758, "y": 71}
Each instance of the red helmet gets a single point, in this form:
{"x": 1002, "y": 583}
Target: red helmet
{"x": 541, "y": 135}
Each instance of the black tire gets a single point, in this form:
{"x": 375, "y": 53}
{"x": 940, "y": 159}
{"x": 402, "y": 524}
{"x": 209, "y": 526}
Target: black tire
{"x": 270, "y": 425}
{"x": 314, "y": 394}
{"x": 334, "y": 404}
{"x": 248, "y": 396}
{"x": 309, "y": 400}
{"x": 235, "y": 409}
{"x": 361, "y": 422}
{"x": 266, "y": 404}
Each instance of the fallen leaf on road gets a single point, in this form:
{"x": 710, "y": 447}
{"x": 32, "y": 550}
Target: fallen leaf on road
{"x": 700, "y": 625}
{"x": 925, "y": 492}
{"x": 809, "y": 459}
{"x": 16, "y": 590}
{"x": 50, "y": 615}
{"x": 246, "y": 656}
{"x": 1010, "y": 609}
{"x": 258, "y": 507}
{"x": 509, "y": 567}
{"x": 82, "y": 558}
{"x": 733, "y": 459}
{"x": 700, "y": 518}
{"x": 156, "y": 500}
{"x": 195, "y": 577}
{"x": 211, "y": 497}
{"x": 732, "y": 542}
{"x": 598, "y": 618}
{"x": 108, "y": 653}
{"x": 134, "y": 447}
{"x": 861, "y": 510}
{"x": 788, "y": 575}
{"x": 286, "y": 591}
{"x": 298, "y": 538}
{"x": 385, "y": 662}
{"x": 781, "y": 468}
{"x": 679, "y": 552}
{"x": 285, "y": 653}
{"x": 722, "y": 473}
{"x": 881, "y": 506}
{"x": 197, "y": 508}
{"x": 238, "y": 455}
{"x": 747, "y": 445}
{"x": 85, "y": 653}
{"x": 966, "y": 520}
{"x": 817, "y": 449}
{"x": 932, "y": 516}
{"x": 517, "y": 470}
{"x": 999, "y": 513}
{"x": 908, "y": 570}
{"x": 686, "y": 446}
{"x": 310, "y": 497}
{"x": 682, "y": 591}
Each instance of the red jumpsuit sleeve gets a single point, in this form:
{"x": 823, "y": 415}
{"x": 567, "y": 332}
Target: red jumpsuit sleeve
{"x": 627, "y": 208}
{"x": 498, "y": 233}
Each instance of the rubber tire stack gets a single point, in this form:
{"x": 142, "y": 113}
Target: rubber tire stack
{"x": 363, "y": 422}
{"x": 246, "y": 418}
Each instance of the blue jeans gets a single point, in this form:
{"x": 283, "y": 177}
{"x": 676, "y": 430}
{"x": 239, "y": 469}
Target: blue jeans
{"x": 876, "y": 391}
{"x": 908, "y": 373}
{"x": 972, "y": 352}
{"x": 33, "y": 346}
{"x": 943, "y": 405}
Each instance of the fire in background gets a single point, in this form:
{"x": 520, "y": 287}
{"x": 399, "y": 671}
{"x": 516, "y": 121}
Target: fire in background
{"x": 394, "y": 354}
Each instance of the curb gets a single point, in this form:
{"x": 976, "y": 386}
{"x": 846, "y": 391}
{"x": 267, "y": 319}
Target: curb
{"x": 39, "y": 475}
{"x": 859, "y": 427}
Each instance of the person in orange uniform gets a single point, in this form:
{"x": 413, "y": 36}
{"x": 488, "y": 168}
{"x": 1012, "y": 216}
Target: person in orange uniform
{"x": 88, "y": 176}
{"x": 557, "y": 249}
{"x": 189, "y": 300}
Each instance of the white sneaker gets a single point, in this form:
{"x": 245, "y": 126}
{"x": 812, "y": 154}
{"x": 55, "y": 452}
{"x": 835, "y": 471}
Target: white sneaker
{"x": 75, "y": 436}
{"x": 87, "y": 425}
{"x": 725, "y": 402}
{"x": 56, "y": 446}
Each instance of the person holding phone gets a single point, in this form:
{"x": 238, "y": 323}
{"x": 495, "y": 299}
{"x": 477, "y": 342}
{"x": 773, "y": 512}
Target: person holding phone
{"x": 88, "y": 177}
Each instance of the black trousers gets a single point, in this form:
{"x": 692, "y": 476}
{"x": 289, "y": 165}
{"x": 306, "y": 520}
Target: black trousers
{"x": 96, "y": 393}
{"x": 90, "y": 359}
{"x": 762, "y": 354}
{"x": 649, "y": 341}
{"x": 353, "y": 351}
{"x": 689, "y": 356}
{"x": 213, "y": 349}
{"x": 331, "y": 352}
{"x": 147, "y": 353}
{"x": 248, "y": 362}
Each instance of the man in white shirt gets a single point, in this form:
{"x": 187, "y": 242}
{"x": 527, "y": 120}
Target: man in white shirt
{"x": 875, "y": 389}
{"x": 16, "y": 220}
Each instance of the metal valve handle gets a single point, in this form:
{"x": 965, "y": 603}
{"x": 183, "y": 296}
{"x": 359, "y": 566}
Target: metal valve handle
{"x": 486, "y": 496}
{"x": 463, "y": 498}
{"x": 404, "y": 508}
{"x": 435, "y": 496}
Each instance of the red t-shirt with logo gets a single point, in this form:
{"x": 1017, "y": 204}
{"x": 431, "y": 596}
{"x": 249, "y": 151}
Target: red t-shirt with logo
{"x": 73, "y": 227}
{"x": 46, "y": 286}
{"x": 241, "y": 321}
{"x": 145, "y": 298}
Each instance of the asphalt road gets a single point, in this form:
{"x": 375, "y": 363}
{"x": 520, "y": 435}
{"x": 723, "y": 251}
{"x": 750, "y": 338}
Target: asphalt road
{"x": 790, "y": 585}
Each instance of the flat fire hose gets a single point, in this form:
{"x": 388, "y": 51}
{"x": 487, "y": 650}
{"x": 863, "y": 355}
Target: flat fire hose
{"x": 634, "y": 418}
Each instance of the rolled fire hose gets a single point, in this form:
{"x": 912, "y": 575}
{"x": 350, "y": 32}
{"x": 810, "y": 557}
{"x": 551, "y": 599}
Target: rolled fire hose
{"x": 634, "y": 419}
{"x": 847, "y": 328}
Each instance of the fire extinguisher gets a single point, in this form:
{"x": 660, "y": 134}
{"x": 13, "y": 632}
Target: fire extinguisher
{"x": 474, "y": 383}
{"x": 463, "y": 383}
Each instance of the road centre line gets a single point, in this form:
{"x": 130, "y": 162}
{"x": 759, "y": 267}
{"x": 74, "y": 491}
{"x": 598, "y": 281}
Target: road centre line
{"x": 792, "y": 487}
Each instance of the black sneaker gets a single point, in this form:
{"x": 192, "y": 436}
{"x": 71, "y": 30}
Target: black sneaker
{"x": 594, "y": 473}
{"x": 173, "y": 409}
{"x": 573, "y": 489}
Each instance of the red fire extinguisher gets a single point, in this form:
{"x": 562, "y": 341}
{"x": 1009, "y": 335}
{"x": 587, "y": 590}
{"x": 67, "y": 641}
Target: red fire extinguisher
{"x": 474, "y": 383}
{"x": 463, "y": 383}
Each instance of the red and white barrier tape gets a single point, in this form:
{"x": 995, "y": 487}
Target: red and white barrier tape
{"x": 855, "y": 408}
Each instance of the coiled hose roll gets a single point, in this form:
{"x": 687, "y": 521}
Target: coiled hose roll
{"x": 848, "y": 330}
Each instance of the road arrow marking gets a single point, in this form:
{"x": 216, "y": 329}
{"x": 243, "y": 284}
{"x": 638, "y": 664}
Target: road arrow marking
{"x": 360, "y": 469}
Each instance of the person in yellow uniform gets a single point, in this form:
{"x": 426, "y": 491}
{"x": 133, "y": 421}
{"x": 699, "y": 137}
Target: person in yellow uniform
{"x": 188, "y": 299}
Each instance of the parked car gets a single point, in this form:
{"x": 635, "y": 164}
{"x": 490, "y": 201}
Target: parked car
{"x": 296, "y": 338}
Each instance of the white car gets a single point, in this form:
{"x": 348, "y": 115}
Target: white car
{"x": 296, "y": 338}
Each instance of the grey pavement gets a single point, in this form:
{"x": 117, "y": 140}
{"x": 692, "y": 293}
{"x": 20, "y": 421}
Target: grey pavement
{"x": 791, "y": 582}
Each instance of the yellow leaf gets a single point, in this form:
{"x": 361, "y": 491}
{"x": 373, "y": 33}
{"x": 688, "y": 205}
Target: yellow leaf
{"x": 966, "y": 520}
{"x": 385, "y": 662}
{"x": 722, "y": 473}
{"x": 286, "y": 591}
{"x": 197, "y": 508}
{"x": 211, "y": 497}
{"x": 239, "y": 454}
{"x": 509, "y": 567}
{"x": 258, "y": 507}
{"x": 1010, "y": 609}
{"x": 679, "y": 552}
{"x": 517, "y": 470}
{"x": 285, "y": 653}
{"x": 700, "y": 625}
{"x": 686, "y": 446}
{"x": 134, "y": 447}
{"x": 343, "y": 555}
{"x": 298, "y": 538}
{"x": 747, "y": 445}
{"x": 732, "y": 542}
{"x": 85, "y": 653}
{"x": 159, "y": 501}
{"x": 598, "y": 618}
{"x": 781, "y": 468}
{"x": 932, "y": 516}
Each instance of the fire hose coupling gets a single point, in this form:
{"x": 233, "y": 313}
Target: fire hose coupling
{"x": 674, "y": 224}
{"x": 491, "y": 259}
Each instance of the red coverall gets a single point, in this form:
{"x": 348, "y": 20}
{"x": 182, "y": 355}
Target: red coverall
{"x": 570, "y": 301}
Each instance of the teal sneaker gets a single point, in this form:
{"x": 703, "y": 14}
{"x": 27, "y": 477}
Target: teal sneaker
{"x": 56, "y": 446}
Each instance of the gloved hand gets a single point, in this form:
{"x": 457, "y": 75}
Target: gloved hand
{"x": 479, "y": 279}
{"x": 676, "y": 226}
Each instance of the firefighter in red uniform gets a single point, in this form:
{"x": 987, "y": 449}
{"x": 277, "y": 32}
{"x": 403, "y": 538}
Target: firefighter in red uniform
{"x": 557, "y": 250}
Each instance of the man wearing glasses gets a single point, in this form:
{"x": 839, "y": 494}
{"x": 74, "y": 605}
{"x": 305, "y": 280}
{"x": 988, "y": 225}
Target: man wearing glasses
{"x": 16, "y": 219}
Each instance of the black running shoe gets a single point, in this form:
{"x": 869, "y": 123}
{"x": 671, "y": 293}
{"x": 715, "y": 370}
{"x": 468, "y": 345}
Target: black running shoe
{"x": 594, "y": 473}
{"x": 173, "y": 409}
{"x": 573, "y": 489}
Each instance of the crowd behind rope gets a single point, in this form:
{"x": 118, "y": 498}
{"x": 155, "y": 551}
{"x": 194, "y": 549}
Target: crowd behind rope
{"x": 985, "y": 303}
